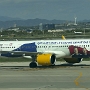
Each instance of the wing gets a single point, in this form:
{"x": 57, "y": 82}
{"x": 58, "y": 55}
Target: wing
{"x": 25, "y": 53}
{"x": 20, "y": 53}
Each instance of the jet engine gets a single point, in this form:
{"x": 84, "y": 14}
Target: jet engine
{"x": 46, "y": 59}
{"x": 73, "y": 60}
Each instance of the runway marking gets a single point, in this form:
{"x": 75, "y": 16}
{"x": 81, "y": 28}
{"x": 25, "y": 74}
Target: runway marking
{"x": 77, "y": 81}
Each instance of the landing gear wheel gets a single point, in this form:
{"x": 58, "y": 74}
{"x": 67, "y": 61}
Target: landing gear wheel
{"x": 53, "y": 65}
{"x": 33, "y": 65}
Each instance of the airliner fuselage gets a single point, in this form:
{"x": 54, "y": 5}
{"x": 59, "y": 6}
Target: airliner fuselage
{"x": 51, "y": 48}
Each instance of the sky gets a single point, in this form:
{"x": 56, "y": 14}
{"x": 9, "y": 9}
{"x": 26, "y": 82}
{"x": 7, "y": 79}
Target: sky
{"x": 46, "y": 9}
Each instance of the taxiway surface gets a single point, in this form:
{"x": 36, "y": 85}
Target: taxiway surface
{"x": 59, "y": 77}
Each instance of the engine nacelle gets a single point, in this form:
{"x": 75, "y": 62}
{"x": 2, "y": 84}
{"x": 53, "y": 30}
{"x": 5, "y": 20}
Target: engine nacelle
{"x": 46, "y": 59}
{"x": 73, "y": 60}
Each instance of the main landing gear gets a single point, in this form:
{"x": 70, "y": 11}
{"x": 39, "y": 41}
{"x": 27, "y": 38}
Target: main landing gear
{"x": 33, "y": 64}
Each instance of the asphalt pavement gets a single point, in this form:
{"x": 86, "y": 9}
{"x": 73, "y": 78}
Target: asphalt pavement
{"x": 63, "y": 76}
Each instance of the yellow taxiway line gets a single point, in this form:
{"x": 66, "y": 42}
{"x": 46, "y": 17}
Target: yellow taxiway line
{"x": 77, "y": 83}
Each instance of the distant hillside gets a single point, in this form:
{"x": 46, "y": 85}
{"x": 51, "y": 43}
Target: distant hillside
{"x": 85, "y": 21}
{"x": 6, "y": 22}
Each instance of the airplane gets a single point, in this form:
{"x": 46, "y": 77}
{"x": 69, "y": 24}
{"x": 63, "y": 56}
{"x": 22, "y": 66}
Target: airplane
{"x": 77, "y": 32}
{"x": 45, "y": 52}
{"x": 63, "y": 38}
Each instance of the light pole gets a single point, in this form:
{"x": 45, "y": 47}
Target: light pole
{"x": 84, "y": 31}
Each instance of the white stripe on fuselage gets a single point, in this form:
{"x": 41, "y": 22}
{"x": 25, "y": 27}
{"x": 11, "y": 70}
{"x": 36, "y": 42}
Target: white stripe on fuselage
{"x": 46, "y": 45}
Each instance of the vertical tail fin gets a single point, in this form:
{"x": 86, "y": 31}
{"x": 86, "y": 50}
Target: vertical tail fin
{"x": 63, "y": 37}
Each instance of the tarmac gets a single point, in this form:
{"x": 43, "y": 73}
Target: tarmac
{"x": 63, "y": 76}
{"x": 23, "y": 64}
